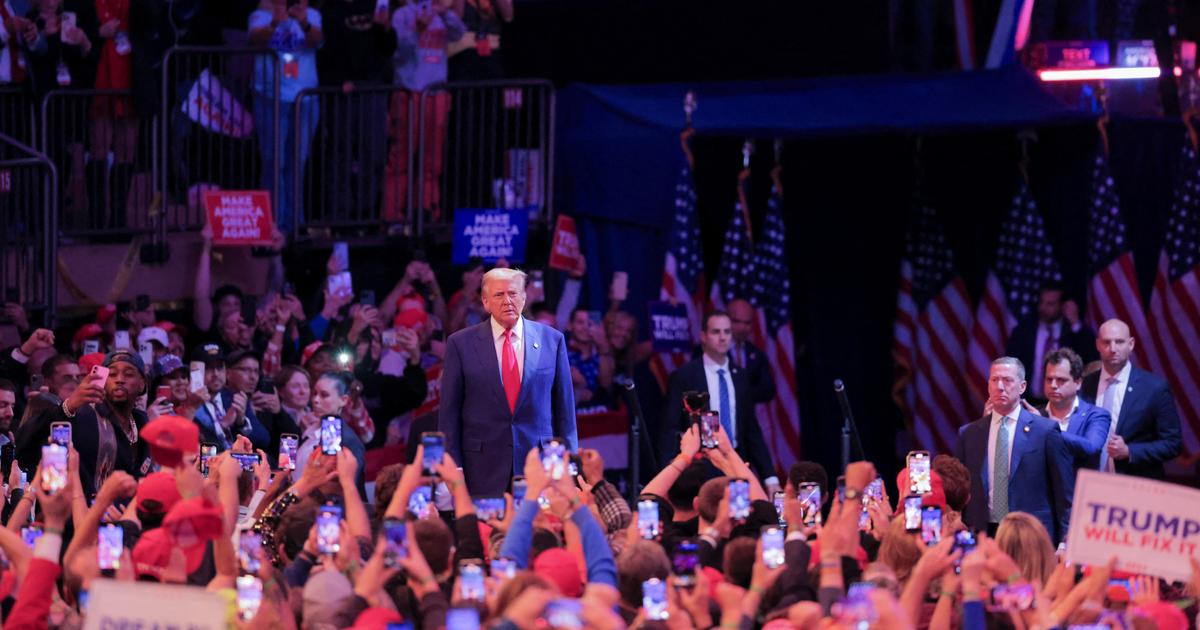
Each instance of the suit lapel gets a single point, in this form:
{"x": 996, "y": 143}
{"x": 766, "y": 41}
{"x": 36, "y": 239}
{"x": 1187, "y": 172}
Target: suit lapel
{"x": 1130, "y": 400}
{"x": 485, "y": 350}
{"x": 1020, "y": 440}
{"x": 532, "y": 347}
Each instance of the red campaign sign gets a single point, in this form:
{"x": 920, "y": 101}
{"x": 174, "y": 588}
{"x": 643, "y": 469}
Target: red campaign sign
{"x": 433, "y": 395}
{"x": 564, "y": 247}
{"x": 239, "y": 217}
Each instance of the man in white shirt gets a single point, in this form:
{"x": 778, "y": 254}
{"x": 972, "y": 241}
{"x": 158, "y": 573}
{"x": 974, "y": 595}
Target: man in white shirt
{"x": 1144, "y": 432}
{"x": 1084, "y": 426}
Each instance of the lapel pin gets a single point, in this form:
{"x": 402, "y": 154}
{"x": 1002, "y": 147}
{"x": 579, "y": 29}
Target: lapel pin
{"x": 1027, "y": 428}
{"x": 535, "y": 345}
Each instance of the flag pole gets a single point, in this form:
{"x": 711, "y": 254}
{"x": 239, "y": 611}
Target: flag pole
{"x": 743, "y": 181}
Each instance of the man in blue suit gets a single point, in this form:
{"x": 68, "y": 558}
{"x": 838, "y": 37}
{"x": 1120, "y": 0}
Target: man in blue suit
{"x": 226, "y": 415}
{"x": 1018, "y": 460}
{"x": 1145, "y": 432}
{"x": 506, "y": 388}
{"x": 1084, "y": 426}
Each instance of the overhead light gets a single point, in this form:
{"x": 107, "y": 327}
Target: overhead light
{"x": 1098, "y": 74}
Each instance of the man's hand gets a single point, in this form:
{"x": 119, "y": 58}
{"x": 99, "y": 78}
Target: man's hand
{"x": 119, "y": 485}
{"x": 536, "y": 478}
{"x": 56, "y": 508}
{"x": 89, "y": 392}
{"x": 1030, "y": 408}
{"x": 593, "y": 466}
{"x": 347, "y": 466}
{"x": 265, "y": 402}
{"x": 41, "y": 339}
{"x": 409, "y": 343}
{"x": 1117, "y": 449}
{"x": 936, "y": 559}
{"x": 689, "y": 443}
{"x": 317, "y": 472}
{"x": 859, "y": 475}
{"x": 236, "y": 411}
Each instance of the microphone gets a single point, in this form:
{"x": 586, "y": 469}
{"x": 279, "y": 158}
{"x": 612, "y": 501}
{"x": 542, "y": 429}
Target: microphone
{"x": 848, "y": 426}
{"x": 839, "y": 390}
{"x": 624, "y": 381}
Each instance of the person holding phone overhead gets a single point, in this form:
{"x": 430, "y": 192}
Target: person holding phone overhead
{"x": 330, "y": 397}
{"x": 506, "y": 386}
{"x": 104, "y": 423}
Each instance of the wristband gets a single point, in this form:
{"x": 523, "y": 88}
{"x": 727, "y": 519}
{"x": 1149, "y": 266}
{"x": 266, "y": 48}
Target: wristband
{"x": 947, "y": 593}
{"x": 1015, "y": 578}
{"x": 757, "y": 590}
{"x": 970, "y": 594}
{"x": 52, "y": 530}
{"x": 67, "y": 412}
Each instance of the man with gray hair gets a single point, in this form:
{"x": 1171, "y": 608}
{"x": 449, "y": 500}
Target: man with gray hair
{"x": 506, "y": 387}
{"x": 1018, "y": 459}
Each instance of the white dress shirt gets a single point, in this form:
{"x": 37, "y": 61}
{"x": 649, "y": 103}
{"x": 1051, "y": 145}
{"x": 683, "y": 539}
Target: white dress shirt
{"x": 1064, "y": 421}
{"x": 714, "y": 391}
{"x": 993, "y": 431}
{"x": 518, "y": 345}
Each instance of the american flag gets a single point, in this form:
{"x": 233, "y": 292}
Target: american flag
{"x": 683, "y": 271}
{"x": 735, "y": 277}
{"x": 1024, "y": 263}
{"x": 1113, "y": 290}
{"x": 780, "y": 418}
{"x": 933, "y": 314}
{"x": 1174, "y": 317}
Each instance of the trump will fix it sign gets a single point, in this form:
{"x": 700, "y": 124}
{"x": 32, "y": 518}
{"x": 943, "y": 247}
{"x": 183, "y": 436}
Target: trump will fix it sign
{"x": 239, "y": 217}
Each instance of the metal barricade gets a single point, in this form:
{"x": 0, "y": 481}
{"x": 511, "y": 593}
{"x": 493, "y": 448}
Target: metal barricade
{"x": 346, "y": 149}
{"x": 28, "y": 197}
{"x": 107, "y": 160}
{"x": 18, "y": 119}
{"x": 220, "y": 110}
{"x": 485, "y": 144}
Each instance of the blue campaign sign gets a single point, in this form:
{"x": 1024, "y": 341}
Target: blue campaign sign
{"x": 490, "y": 234}
{"x": 669, "y": 327}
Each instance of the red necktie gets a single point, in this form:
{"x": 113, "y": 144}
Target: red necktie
{"x": 510, "y": 374}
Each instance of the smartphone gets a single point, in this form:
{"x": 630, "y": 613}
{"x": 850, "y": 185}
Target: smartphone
{"x": 504, "y": 568}
{"x": 30, "y": 535}
{"x": 518, "y": 491}
{"x": 60, "y": 433}
{"x": 554, "y": 458}
{"x": 912, "y": 513}
{"x": 289, "y": 444}
{"x": 8, "y": 453}
{"x": 195, "y": 376}
{"x": 772, "y": 546}
{"x": 488, "y": 508}
{"x": 249, "y": 596}
{"x": 685, "y": 561}
{"x": 872, "y": 495}
{"x": 710, "y": 425}
{"x": 208, "y": 450}
{"x": 1012, "y": 597}
{"x": 110, "y": 544}
{"x": 340, "y": 284}
{"x": 163, "y": 391}
{"x": 121, "y": 340}
{"x": 435, "y": 448}
{"x": 470, "y": 580}
{"x": 329, "y": 533}
{"x": 654, "y": 599}
{"x": 918, "y": 473}
{"x": 739, "y": 499}
{"x": 68, "y": 21}
{"x": 841, "y": 488}
{"x": 964, "y": 540}
{"x": 247, "y": 460}
{"x": 341, "y": 252}
{"x": 574, "y": 465}
{"x": 390, "y": 339}
{"x": 250, "y": 551}
{"x": 620, "y": 285}
{"x": 91, "y": 346}
{"x": 395, "y": 540}
{"x": 331, "y": 435}
{"x": 859, "y": 589}
{"x": 419, "y": 501}
{"x": 462, "y": 618}
{"x": 266, "y": 385}
{"x": 564, "y": 614}
{"x": 366, "y": 297}
{"x": 250, "y": 310}
{"x": 778, "y": 499}
{"x": 931, "y": 525}
{"x": 146, "y": 351}
{"x": 99, "y": 373}
{"x": 54, "y": 468}
{"x": 855, "y": 611}
{"x": 381, "y": 5}
{"x": 649, "y": 526}
{"x": 809, "y": 494}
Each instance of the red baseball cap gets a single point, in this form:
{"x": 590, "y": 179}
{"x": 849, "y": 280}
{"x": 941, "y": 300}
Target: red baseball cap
{"x": 376, "y": 619}
{"x": 559, "y": 567}
{"x": 91, "y": 360}
{"x": 160, "y": 488}
{"x": 152, "y": 554}
{"x": 197, "y": 517}
{"x": 310, "y": 350}
{"x": 936, "y": 497}
{"x": 106, "y": 313}
{"x": 87, "y": 331}
{"x": 170, "y": 438}
{"x": 411, "y": 318}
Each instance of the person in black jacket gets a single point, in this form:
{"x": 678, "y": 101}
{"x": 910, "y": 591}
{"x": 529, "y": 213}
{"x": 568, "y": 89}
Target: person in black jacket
{"x": 1057, "y": 324}
{"x": 748, "y": 356}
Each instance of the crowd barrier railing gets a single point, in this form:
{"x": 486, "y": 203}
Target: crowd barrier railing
{"x": 107, "y": 159}
{"x": 28, "y": 232}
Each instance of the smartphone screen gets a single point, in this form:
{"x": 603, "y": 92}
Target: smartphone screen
{"x": 504, "y": 568}
{"x": 809, "y": 495}
{"x": 109, "y": 547}
{"x": 366, "y": 297}
{"x": 684, "y": 562}
{"x": 489, "y": 508}
{"x": 649, "y": 526}
{"x": 654, "y": 599}
{"x": 462, "y": 618}
{"x": 341, "y": 252}
{"x": 195, "y": 376}
{"x": 54, "y": 468}
{"x": 739, "y": 499}
{"x": 564, "y": 614}
{"x": 931, "y": 525}
{"x": 778, "y": 499}
{"x": 208, "y": 450}
{"x": 420, "y": 500}
{"x": 121, "y": 340}
{"x": 163, "y": 392}
{"x": 250, "y": 551}
{"x": 912, "y": 513}
{"x": 99, "y": 373}
{"x": 470, "y": 581}
{"x": 329, "y": 520}
{"x": 435, "y": 448}
{"x": 554, "y": 458}
{"x": 710, "y": 425}
{"x": 772, "y": 547}
{"x": 859, "y": 589}
{"x": 249, "y": 596}
{"x": 91, "y": 346}
{"x": 518, "y": 491}
{"x": 288, "y": 445}
{"x": 60, "y": 433}
{"x": 1012, "y": 597}
{"x": 965, "y": 541}
{"x": 918, "y": 473}
{"x": 395, "y": 536}
{"x": 30, "y": 535}
{"x": 331, "y": 435}
{"x": 247, "y": 460}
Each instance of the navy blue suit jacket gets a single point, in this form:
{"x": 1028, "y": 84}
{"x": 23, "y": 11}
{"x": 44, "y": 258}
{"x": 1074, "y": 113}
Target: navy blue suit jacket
{"x": 209, "y": 431}
{"x": 1041, "y": 479}
{"x": 1148, "y": 421}
{"x": 482, "y": 435}
{"x": 1086, "y": 434}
